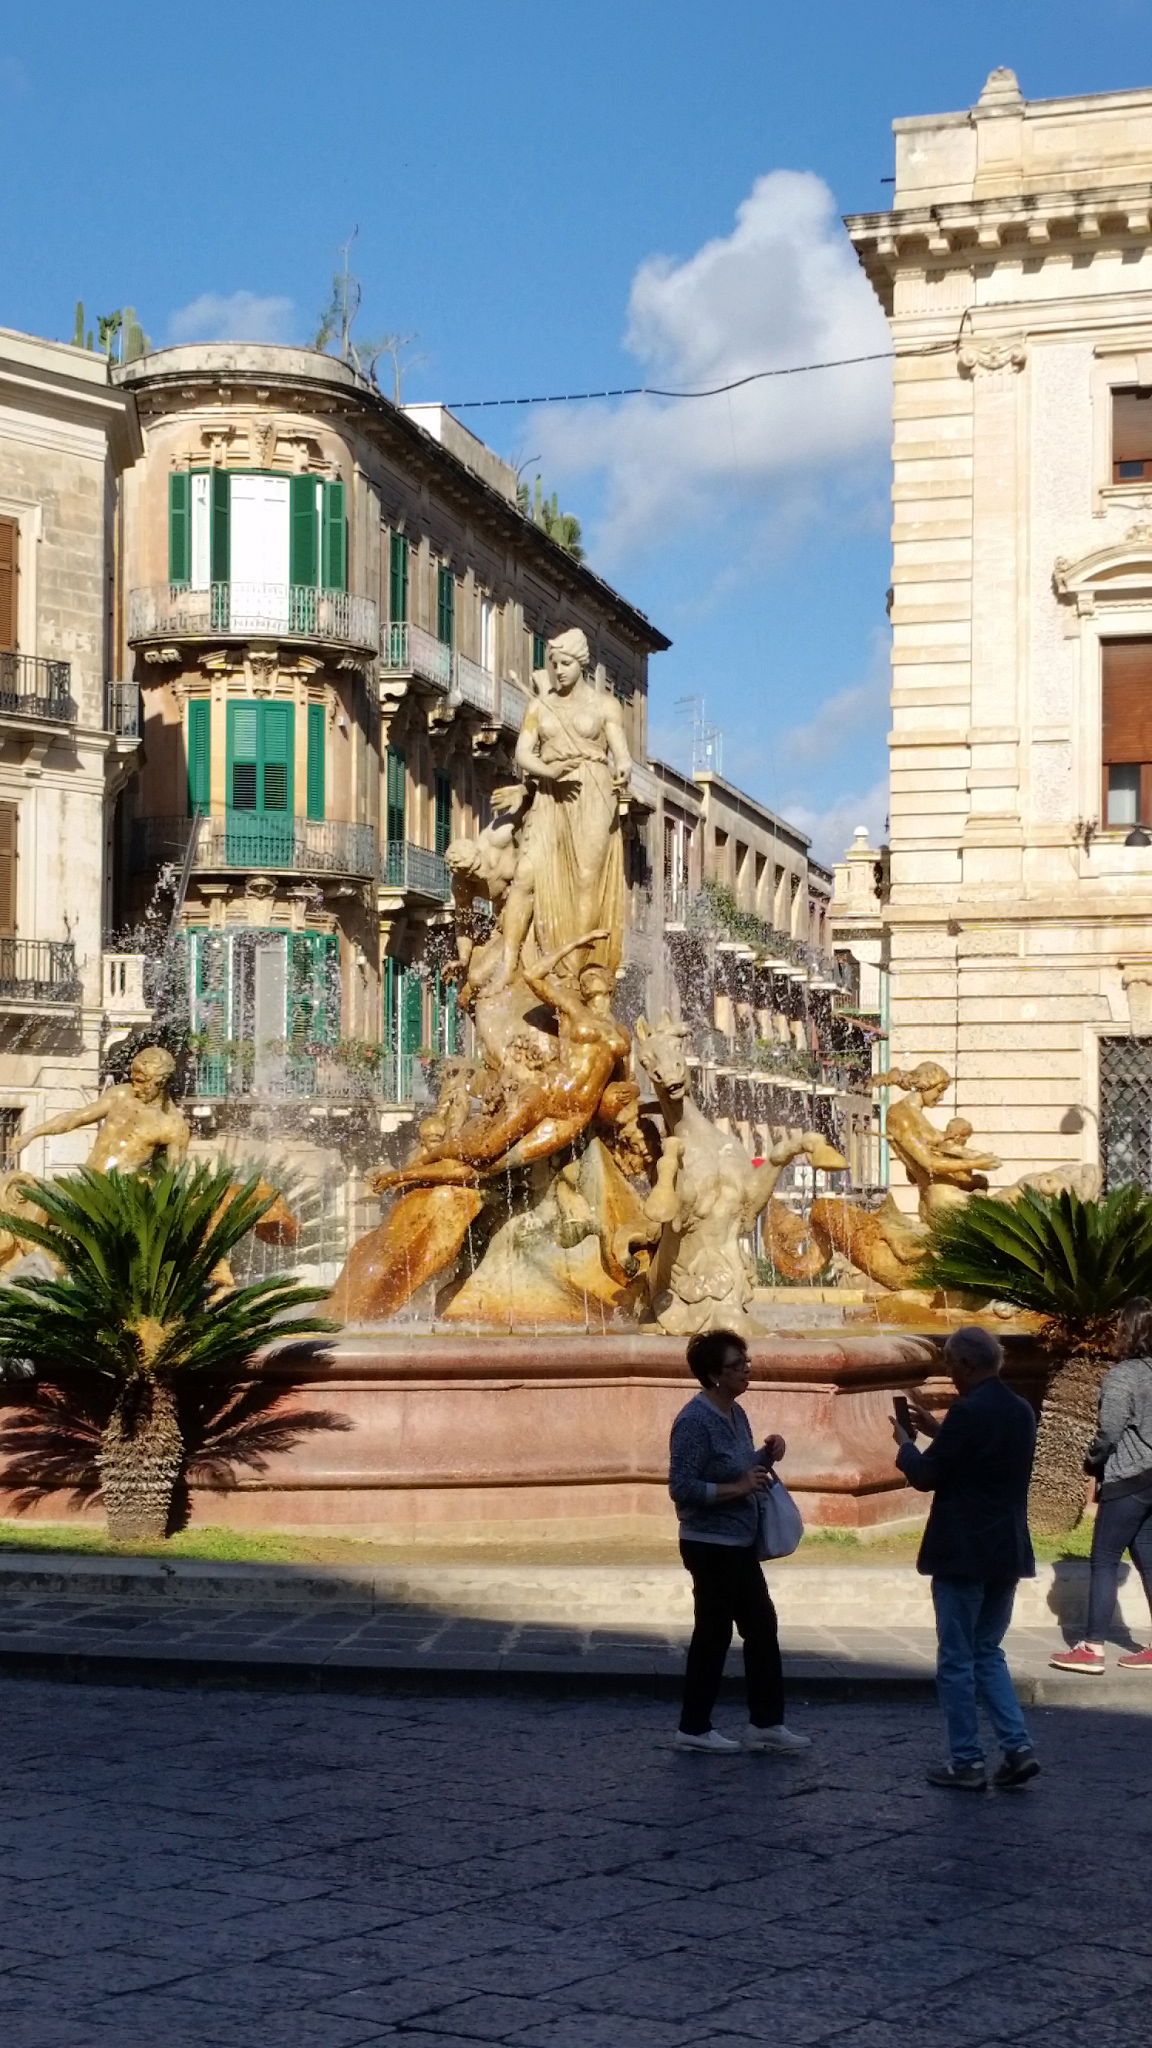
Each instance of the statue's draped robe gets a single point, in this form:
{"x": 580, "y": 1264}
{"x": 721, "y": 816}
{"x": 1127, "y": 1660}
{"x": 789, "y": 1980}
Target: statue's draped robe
{"x": 573, "y": 841}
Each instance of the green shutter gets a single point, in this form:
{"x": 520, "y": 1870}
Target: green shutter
{"x": 398, "y": 613}
{"x": 389, "y": 1032}
{"x": 396, "y": 795}
{"x": 179, "y": 526}
{"x": 443, "y": 832}
{"x": 315, "y": 797}
{"x": 244, "y": 757}
{"x": 314, "y": 987}
{"x": 303, "y": 532}
{"x": 260, "y": 758}
{"x": 539, "y": 651}
{"x": 276, "y": 721}
{"x": 199, "y": 755}
{"x": 334, "y": 559}
{"x": 445, "y": 606}
{"x": 221, "y": 551}
{"x": 411, "y": 1010}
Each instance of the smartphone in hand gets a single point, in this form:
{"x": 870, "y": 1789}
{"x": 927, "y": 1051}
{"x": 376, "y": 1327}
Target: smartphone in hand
{"x": 903, "y": 1413}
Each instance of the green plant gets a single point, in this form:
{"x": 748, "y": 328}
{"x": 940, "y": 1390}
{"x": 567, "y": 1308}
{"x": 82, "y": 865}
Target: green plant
{"x": 137, "y": 1308}
{"x": 1074, "y": 1264}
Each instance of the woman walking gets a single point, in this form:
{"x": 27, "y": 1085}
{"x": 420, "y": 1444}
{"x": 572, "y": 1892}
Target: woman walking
{"x": 714, "y": 1478}
{"x": 1121, "y": 1455}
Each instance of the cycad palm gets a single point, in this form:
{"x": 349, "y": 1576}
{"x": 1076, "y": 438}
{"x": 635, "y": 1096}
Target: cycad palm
{"x": 135, "y": 1306}
{"x": 1074, "y": 1263}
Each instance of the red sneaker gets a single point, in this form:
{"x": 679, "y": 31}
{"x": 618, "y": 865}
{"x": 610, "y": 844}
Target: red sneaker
{"x": 1137, "y": 1660}
{"x": 1082, "y": 1657}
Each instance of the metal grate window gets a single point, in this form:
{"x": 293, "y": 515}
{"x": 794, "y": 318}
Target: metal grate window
{"x": 9, "y": 1129}
{"x": 1126, "y": 1111}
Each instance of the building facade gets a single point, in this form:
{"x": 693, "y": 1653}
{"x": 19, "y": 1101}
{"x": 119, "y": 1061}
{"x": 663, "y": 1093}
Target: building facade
{"x": 334, "y": 609}
{"x": 68, "y": 733}
{"x": 1016, "y": 268}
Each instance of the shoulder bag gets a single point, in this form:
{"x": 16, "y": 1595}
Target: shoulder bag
{"x": 781, "y": 1525}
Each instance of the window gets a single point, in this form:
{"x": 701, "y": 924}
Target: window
{"x": 1132, "y": 434}
{"x": 199, "y": 755}
{"x": 263, "y": 1001}
{"x": 1126, "y": 1111}
{"x": 9, "y": 584}
{"x": 10, "y": 1121}
{"x": 252, "y": 527}
{"x": 9, "y": 814}
{"x": 396, "y": 795}
{"x": 403, "y": 1007}
{"x": 1126, "y": 737}
{"x": 445, "y": 606}
{"x": 398, "y": 579}
{"x": 260, "y": 757}
{"x": 488, "y": 636}
{"x": 315, "y": 772}
{"x": 443, "y": 833}
{"x": 539, "y": 651}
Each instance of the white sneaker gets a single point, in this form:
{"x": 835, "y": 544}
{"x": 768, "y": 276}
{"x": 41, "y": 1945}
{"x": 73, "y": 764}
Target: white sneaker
{"x": 713, "y": 1743}
{"x": 780, "y": 1739}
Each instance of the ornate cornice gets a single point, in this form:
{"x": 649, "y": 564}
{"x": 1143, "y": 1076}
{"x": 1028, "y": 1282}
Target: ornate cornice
{"x": 1120, "y": 574}
{"x": 1008, "y": 353}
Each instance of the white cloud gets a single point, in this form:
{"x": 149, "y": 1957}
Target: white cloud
{"x": 233, "y": 316}
{"x": 831, "y": 829}
{"x": 783, "y": 288}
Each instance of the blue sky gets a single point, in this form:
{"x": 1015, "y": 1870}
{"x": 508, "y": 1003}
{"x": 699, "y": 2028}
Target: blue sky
{"x": 556, "y": 198}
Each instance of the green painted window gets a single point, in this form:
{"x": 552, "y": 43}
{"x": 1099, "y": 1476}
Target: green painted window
{"x": 398, "y": 572}
{"x": 316, "y": 760}
{"x": 539, "y": 651}
{"x": 260, "y": 757}
{"x": 411, "y": 1011}
{"x": 303, "y": 531}
{"x": 180, "y": 526}
{"x": 314, "y": 987}
{"x": 333, "y": 539}
{"x": 445, "y": 606}
{"x": 199, "y": 755}
{"x": 396, "y": 795}
{"x": 443, "y": 833}
{"x": 446, "y": 1032}
{"x": 221, "y": 544}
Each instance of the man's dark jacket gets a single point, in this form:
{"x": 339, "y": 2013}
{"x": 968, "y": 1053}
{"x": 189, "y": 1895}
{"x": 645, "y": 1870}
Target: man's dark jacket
{"x": 978, "y": 1467}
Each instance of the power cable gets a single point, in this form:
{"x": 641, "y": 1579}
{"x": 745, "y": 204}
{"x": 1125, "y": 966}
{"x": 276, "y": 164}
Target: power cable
{"x": 882, "y": 355}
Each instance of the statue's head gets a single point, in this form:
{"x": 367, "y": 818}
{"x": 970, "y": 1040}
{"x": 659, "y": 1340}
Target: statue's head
{"x": 597, "y": 985}
{"x": 928, "y": 1080}
{"x": 662, "y": 1052}
{"x": 462, "y": 856}
{"x": 569, "y": 658}
{"x": 151, "y": 1071}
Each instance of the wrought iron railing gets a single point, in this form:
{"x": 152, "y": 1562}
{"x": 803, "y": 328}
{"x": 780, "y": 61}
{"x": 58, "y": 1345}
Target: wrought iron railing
{"x": 472, "y": 684}
{"x": 404, "y": 866}
{"x": 33, "y": 687}
{"x": 514, "y": 704}
{"x": 295, "y": 610}
{"x": 409, "y": 650}
{"x": 38, "y": 971}
{"x": 122, "y": 710}
{"x": 278, "y": 1073}
{"x": 257, "y": 839}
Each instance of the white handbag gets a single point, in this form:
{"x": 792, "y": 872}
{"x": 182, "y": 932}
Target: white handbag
{"x": 781, "y": 1523}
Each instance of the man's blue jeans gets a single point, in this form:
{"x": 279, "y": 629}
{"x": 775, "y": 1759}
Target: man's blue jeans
{"x": 972, "y": 1617}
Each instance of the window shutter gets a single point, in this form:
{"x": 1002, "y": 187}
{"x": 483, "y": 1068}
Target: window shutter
{"x": 276, "y": 750}
{"x": 1127, "y": 707}
{"x": 179, "y": 526}
{"x": 443, "y": 811}
{"x": 445, "y": 606}
{"x": 398, "y": 564}
{"x": 9, "y": 583}
{"x": 396, "y": 794}
{"x": 199, "y": 755}
{"x": 539, "y": 651}
{"x": 9, "y": 814}
{"x": 303, "y": 536}
{"x": 389, "y": 1003}
{"x": 334, "y": 559}
{"x": 243, "y": 756}
{"x": 411, "y": 1012}
{"x": 221, "y": 549}
{"x": 315, "y": 796}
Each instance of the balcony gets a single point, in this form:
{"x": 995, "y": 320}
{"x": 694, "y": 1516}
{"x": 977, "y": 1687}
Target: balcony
{"x": 36, "y": 689}
{"x": 473, "y": 685}
{"x": 278, "y": 1072}
{"x": 122, "y": 714}
{"x": 256, "y": 840}
{"x": 38, "y": 974}
{"x": 514, "y": 704}
{"x": 415, "y": 869}
{"x": 410, "y": 651}
{"x": 268, "y": 611}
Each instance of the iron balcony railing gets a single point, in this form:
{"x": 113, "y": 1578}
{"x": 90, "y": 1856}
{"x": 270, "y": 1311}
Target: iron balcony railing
{"x": 295, "y": 611}
{"x": 256, "y": 839}
{"x": 122, "y": 711}
{"x": 410, "y": 651}
{"x": 269, "y": 1072}
{"x": 404, "y": 866}
{"x": 514, "y": 704}
{"x": 472, "y": 684}
{"x": 38, "y": 971}
{"x": 32, "y": 687}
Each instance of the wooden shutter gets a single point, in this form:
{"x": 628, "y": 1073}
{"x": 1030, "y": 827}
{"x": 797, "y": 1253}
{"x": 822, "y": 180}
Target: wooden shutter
{"x": 539, "y": 651}
{"x": 315, "y": 773}
{"x": 1127, "y": 709}
{"x": 334, "y": 550}
{"x": 396, "y": 795}
{"x": 443, "y": 811}
{"x": 9, "y": 584}
{"x": 221, "y": 545}
{"x": 276, "y": 756}
{"x": 445, "y": 606}
{"x": 9, "y": 813}
{"x": 411, "y": 1011}
{"x": 179, "y": 526}
{"x": 243, "y": 757}
{"x": 303, "y": 531}
{"x": 398, "y": 564}
{"x": 389, "y": 1020}
{"x": 199, "y": 755}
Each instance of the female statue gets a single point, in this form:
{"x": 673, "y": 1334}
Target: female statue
{"x": 943, "y": 1171}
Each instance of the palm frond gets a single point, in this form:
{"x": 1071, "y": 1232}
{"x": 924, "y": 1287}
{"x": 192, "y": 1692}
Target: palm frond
{"x": 1073, "y": 1262}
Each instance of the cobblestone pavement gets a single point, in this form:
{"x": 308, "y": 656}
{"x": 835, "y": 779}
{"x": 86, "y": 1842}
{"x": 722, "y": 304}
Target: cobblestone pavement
{"x": 218, "y": 1870}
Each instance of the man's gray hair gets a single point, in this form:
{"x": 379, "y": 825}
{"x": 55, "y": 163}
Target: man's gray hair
{"x": 973, "y": 1346}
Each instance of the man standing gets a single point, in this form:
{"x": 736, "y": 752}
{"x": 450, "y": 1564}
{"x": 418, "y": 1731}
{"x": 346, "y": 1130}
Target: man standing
{"x": 975, "y": 1548}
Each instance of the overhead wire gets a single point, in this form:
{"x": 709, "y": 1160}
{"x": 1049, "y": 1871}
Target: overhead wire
{"x": 710, "y": 391}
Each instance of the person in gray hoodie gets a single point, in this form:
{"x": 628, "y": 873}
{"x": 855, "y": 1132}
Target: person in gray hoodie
{"x": 1120, "y": 1455}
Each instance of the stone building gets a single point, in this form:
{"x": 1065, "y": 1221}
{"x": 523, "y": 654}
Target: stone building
{"x": 67, "y": 733}
{"x": 334, "y": 609}
{"x": 1016, "y": 268}
{"x": 745, "y": 956}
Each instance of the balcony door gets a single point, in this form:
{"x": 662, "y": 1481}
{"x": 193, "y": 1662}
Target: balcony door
{"x": 259, "y": 826}
{"x": 259, "y": 550}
